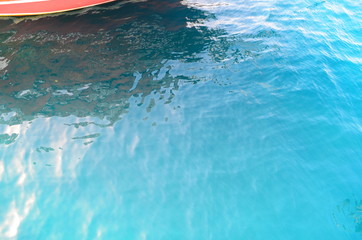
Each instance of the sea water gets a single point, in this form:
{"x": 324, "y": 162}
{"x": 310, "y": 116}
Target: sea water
{"x": 194, "y": 119}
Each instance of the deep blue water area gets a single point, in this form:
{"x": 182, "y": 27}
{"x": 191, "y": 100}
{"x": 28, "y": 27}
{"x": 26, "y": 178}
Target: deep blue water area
{"x": 193, "y": 119}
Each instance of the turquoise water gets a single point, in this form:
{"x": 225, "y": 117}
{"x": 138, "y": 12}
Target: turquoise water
{"x": 186, "y": 119}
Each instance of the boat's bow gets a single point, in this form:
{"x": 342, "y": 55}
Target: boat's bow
{"x": 37, "y": 7}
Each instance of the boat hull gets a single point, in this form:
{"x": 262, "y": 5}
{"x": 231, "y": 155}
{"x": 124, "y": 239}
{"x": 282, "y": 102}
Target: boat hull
{"x": 38, "y": 7}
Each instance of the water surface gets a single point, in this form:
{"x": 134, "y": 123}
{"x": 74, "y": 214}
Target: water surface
{"x": 183, "y": 120}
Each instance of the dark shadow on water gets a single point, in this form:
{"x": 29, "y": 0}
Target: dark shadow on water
{"x": 90, "y": 63}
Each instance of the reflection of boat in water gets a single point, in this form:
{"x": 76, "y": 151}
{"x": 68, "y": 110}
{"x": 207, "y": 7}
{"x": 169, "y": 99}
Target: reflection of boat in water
{"x": 97, "y": 64}
{"x": 37, "y": 7}
{"x": 92, "y": 65}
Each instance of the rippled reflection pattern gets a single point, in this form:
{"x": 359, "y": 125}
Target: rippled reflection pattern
{"x": 185, "y": 119}
{"x": 90, "y": 64}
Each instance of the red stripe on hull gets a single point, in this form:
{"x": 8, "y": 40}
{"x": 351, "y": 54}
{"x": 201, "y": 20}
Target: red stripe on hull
{"x": 37, "y": 7}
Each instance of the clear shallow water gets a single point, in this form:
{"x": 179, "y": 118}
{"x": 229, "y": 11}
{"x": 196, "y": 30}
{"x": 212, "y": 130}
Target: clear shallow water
{"x": 183, "y": 120}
